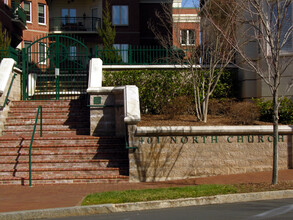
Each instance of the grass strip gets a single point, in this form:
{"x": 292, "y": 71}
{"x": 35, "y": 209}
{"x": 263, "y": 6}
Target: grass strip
{"x": 158, "y": 194}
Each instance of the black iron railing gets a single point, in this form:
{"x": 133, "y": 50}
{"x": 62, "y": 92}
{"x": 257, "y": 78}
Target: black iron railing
{"x": 67, "y": 24}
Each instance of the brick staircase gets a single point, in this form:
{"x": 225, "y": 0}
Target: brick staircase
{"x": 65, "y": 154}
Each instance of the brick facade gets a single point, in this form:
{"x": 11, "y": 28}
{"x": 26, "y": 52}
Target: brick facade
{"x": 185, "y": 19}
{"x": 34, "y": 28}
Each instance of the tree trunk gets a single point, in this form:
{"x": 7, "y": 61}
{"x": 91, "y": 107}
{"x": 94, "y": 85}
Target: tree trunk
{"x": 276, "y": 138}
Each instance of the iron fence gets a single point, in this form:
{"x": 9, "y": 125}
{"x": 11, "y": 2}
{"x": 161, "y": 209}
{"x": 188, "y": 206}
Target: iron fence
{"x": 134, "y": 55}
{"x": 11, "y": 53}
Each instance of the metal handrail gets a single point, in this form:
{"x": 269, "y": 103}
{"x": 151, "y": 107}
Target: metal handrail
{"x": 8, "y": 92}
{"x": 32, "y": 139}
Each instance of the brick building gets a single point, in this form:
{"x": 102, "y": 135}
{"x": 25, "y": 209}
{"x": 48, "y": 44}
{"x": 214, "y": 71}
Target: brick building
{"x": 13, "y": 20}
{"x": 37, "y": 14}
{"x": 186, "y": 25}
{"x": 83, "y": 18}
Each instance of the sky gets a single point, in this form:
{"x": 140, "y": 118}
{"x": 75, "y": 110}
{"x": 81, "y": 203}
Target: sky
{"x": 189, "y": 3}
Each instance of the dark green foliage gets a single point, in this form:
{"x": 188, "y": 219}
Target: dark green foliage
{"x": 227, "y": 85}
{"x": 159, "y": 88}
{"x": 4, "y": 42}
{"x": 285, "y": 110}
{"x": 108, "y": 34}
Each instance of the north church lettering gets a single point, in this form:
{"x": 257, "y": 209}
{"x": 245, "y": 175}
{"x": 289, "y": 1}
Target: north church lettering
{"x": 210, "y": 139}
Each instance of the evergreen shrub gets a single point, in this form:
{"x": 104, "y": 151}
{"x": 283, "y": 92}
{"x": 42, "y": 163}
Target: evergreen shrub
{"x": 160, "y": 88}
{"x": 267, "y": 110}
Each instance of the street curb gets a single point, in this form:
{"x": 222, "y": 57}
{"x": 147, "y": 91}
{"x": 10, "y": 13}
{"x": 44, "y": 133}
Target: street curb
{"x": 127, "y": 207}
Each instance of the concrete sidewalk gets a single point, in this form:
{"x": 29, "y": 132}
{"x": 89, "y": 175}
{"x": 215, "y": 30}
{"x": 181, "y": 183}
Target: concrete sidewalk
{"x": 20, "y": 198}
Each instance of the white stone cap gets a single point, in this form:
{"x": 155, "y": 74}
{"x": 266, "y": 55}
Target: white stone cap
{"x": 105, "y": 90}
{"x": 186, "y": 18}
{"x": 95, "y": 73}
{"x": 177, "y": 3}
{"x": 213, "y": 130}
{"x": 131, "y": 105}
{"x": 6, "y": 68}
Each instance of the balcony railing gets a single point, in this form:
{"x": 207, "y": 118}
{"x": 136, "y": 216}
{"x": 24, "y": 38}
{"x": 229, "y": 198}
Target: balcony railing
{"x": 67, "y": 24}
{"x": 18, "y": 12}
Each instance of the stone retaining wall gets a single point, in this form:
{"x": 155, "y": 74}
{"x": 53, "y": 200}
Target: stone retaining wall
{"x": 171, "y": 156}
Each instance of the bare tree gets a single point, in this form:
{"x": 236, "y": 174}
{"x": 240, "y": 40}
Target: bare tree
{"x": 205, "y": 59}
{"x": 266, "y": 24}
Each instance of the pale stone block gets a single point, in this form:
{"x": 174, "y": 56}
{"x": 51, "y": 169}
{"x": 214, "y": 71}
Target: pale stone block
{"x": 6, "y": 69}
{"x": 95, "y": 73}
{"x": 131, "y": 108}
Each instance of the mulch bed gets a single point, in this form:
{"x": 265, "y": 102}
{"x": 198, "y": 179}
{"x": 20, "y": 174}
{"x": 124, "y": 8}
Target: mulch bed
{"x": 187, "y": 120}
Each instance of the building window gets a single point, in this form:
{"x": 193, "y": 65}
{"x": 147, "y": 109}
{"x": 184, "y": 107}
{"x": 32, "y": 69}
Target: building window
{"x": 26, "y": 44}
{"x": 187, "y": 37}
{"x": 68, "y": 15}
{"x": 122, "y": 51}
{"x": 72, "y": 53}
{"x": 27, "y": 6}
{"x": 42, "y": 13}
{"x": 42, "y": 53}
{"x": 120, "y": 15}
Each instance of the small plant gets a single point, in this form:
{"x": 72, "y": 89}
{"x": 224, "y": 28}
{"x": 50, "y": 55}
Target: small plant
{"x": 244, "y": 113}
{"x": 220, "y": 106}
{"x": 285, "y": 110}
{"x": 181, "y": 105}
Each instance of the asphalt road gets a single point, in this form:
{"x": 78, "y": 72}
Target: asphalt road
{"x": 269, "y": 209}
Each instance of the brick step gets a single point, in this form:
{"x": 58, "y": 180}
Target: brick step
{"x": 49, "y": 103}
{"x": 63, "y": 149}
{"x": 48, "y": 119}
{"x": 63, "y": 154}
{"x": 46, "y": 111}
{"x": 46, "y": 123}
{"x": 92, "y": 179}
{"x": 57, "y": 139}
{"x": 77, "y": 163}
{"x": 59, "y": 131}
{"x": 59, "y": 114}
{"x": 71, "y": 144}
{"x": 46, "y": 127}
{"x": 113, "y": 162}
{"x": 7, "y": 146}
{"x": 59, "y": 173}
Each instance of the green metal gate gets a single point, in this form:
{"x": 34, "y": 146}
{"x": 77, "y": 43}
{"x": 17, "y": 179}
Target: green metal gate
{"x": 55, "y": 67}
